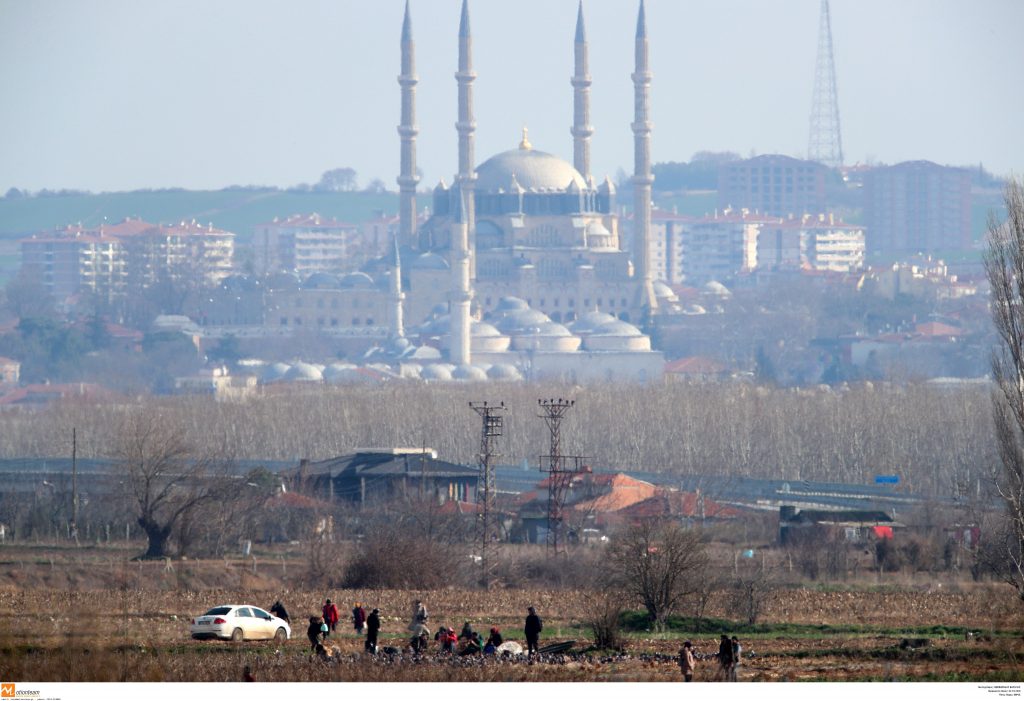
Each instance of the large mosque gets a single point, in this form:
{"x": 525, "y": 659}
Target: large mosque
{"x": 518, "y": 273}
{"x": 520, "y": 263}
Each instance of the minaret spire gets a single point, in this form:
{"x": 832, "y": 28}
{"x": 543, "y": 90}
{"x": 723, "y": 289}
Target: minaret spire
{"x": 397, "y": 320}
{"x": 581, "y": 128}
{"x": 466, "y": 126}
{"x": 462, "y": 294}
{"x": 407, "y": 130}
{"x": 642, "y": 176}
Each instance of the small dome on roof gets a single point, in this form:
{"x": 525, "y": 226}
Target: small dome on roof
{"x": 356, "y": 280}
{"x": 429, "y": 261}
{"x": 522, "y": 320}
{"x": 663, "y": 292}
{"x": 509, "y": 304}
{"x": 716, "y": 288}
{"x": 551, "y": 328}
{"x": 504, "y": 372}
{"x": 335, "y": 369}
{"x": 303, "y": 372}
{"x": 322, "y": 281}
{"x": 483, "y": 329}
{"x": 438, "y": 372}
{"x": 469, "y": 373}
{"x": 275, "y": 372}
{"x": 617, "y": 328}
{"x": 590, "y": 321}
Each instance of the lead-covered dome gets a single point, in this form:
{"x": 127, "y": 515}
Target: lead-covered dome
{"x": 531, "y": 169}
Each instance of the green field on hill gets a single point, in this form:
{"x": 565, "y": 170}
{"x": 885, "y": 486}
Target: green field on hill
{"x": 237, "y": 211}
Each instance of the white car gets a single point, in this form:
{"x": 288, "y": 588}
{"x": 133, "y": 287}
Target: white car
{"x": 240, "y": 622}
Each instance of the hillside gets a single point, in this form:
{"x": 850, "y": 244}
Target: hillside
{"x": 236, "y": 210}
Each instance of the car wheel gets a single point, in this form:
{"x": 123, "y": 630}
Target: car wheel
{"x": 280, "y": 636}
{"x": 237, "y": 635}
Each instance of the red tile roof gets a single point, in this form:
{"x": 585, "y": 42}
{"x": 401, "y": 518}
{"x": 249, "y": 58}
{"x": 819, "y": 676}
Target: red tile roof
{"x": 695, "y": 365}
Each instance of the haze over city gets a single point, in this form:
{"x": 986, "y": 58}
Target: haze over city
{"x": 112, "y": 96}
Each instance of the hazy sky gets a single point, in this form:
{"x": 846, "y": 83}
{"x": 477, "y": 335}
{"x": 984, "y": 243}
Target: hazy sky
{"x": 125, "y": 94}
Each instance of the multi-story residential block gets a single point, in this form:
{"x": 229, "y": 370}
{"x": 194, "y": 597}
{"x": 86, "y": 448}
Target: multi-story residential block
{"x": 809, "y": 242}
{"x": 721, "y": 246}
{"x": 666, "y": 244}
{"x": 112, "y": 260}
{"x": 777, "y": 185}
{"x": 917, "y": 207}
{"x": 304, "y": 244}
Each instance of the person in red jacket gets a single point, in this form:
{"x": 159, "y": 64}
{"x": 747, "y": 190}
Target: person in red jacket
{"x": 330, "y": 615}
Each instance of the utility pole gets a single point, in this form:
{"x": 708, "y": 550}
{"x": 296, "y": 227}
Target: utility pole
{"x": 74, "y": 484}
{"x": 492, "y": 423}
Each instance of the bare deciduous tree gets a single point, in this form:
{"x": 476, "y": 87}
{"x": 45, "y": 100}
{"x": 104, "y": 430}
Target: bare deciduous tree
{"x": 656, "y": 564}
{"x": 164, "y": 477}
{"x": 1004, "y": 265}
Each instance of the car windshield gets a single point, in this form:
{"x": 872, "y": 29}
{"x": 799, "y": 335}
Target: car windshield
{"x": 219, "y": 611}
{"x": 260, "y": 613}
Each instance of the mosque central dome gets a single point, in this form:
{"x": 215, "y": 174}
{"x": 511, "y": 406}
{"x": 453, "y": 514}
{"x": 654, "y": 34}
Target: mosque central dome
{"x": 532, "y": 170}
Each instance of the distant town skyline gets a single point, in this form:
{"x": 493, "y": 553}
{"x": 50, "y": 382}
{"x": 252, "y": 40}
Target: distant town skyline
{"x": 108, "y": 95}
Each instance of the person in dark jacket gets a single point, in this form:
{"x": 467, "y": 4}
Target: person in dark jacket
{"x": 495, "y": 638}
{"x": 279, "y": 610}
{"x": 532, "y": 630}
{"x": 467, "y": 632}
{"x": 372, "y": 628}
{"x": 313, "y": 632}
{"x": 725, "y": 657}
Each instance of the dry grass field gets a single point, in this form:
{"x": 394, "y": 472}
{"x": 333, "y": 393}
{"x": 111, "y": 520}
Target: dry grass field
{"x": 93, "y": 616}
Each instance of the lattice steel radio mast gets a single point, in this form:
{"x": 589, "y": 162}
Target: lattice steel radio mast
{"x": 825, "y": 144}
{"x": 560, "y": 471}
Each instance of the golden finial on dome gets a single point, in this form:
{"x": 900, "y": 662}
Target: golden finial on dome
{"x": 525, "y": 143}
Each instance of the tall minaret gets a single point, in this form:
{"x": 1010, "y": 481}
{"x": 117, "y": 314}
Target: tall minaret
{"x": 462, "y": 294}
{"x": 396, "y": 297}
{"x": 642, "y": 177}
{"x": 466, "y": 125}
{"x": 407, "y": 178}
{"x": 581, "y": 128}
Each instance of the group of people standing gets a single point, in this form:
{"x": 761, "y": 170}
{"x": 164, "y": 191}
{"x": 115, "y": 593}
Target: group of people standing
{"x": 730, "y": 653}
{"x": 475, "y": 643}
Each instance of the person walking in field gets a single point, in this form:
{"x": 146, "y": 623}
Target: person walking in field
{"x": 419, "y": 615}
{"x": 724, "y": 658}
{"x": 532, "y": 630}
{"x": 358, "y": 618}
{"x": 313, "y": 632}
{"x": 686, "y": 661}
{"x": 737, "y": 651}
{"x": 330, "y": 616}
{"x": 372, "y": 628}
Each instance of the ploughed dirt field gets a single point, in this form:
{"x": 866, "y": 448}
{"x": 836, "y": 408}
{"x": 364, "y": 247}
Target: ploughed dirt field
{"x": 133, "y": 633}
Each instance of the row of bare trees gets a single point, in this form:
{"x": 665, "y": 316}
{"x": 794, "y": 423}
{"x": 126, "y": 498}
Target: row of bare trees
{"x": 938, "y": 441}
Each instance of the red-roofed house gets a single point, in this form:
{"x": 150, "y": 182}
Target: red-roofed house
{"x": 695, "y": 368}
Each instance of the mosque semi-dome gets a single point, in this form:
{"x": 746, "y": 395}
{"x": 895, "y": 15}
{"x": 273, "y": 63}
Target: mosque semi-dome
{"x": 531, "y": 169}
